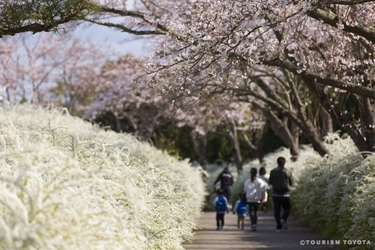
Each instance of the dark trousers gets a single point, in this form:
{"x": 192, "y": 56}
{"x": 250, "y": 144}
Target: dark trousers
{"x": 219, "y": 220}
{"x": 253, "y": 212}
{"x": 279, "y": 202}
{"x": 227, "y": 192}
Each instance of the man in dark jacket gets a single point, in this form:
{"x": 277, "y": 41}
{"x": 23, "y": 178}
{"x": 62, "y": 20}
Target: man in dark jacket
{"x": 281, "y": 179}
{"x": 226, "y": 182}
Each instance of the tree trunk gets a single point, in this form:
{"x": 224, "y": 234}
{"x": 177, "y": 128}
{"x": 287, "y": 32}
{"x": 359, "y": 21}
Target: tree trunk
{"x": 306, "y": 124}
{"x": 200, "y": 143}
{"x": 367, "y": 124}
{"x": 296, "y": 113}
{"x": 235, "y": 143}
{"x": 295, "y": 135}
{"x": 347, "y": 123}
{"x": 281, "y": 129}
{"x": 233, "y": 138}
{"x": 231, "y": 134}
{"x": 254, "y": 144}
{"x": 327, "y": 126}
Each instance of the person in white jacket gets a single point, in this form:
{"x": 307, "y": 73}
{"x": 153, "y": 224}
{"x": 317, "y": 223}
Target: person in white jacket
{"x": 256, "y": 193}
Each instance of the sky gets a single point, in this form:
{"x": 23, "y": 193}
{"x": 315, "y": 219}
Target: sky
{"x": 123, "y": 42}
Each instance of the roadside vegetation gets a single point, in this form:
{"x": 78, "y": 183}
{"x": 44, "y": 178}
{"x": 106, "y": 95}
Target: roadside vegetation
{"x": 67, "y": 184}
{"x": 333, "y": 195}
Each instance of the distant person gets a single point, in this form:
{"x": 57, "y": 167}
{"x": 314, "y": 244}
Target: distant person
{"x": 241, "y": 209}
{"x": 281, "y": 179}
{"x": 264, "y": 176}
{"x": 226, "y": 181}
{"x": 256, "y": 193}
{"x": 221, "y": 207}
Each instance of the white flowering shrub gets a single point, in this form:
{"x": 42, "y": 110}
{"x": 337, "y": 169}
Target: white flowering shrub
{"x": 67, "y": 184}
{"x": 335, "y": 193}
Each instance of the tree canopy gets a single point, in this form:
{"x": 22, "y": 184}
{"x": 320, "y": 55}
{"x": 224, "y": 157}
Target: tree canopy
{"x": 41, "y": 15}
{"x": 300, "y": 63}
{"x": 328, "y": 46}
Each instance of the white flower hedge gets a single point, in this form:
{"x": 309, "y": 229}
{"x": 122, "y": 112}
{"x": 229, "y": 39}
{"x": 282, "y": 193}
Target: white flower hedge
{"x": 66, "y": 184}
{"x": 336, "y": 194}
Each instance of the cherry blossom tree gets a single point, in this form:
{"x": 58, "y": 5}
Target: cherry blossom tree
{"x": 282, "y": 98}
{"x": 143, "y": 107}
{"x": 202, "y": 41}
{"x": 309, "y": 39}
{"x": 328, "y": 46}
{"x": 46, "y": 68}
{"x": 213, "y": 114}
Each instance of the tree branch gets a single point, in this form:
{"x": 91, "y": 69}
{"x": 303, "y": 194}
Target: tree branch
{"x": 125, "y": 29}
{"x": 331, "y": 19}
{"x": 356, "y": 89}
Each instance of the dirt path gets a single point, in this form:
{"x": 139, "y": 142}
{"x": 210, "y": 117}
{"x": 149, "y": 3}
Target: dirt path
{"x": 298, "y": 236}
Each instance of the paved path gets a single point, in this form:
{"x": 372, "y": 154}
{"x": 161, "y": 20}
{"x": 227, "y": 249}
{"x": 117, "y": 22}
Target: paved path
{"x": 265, "y": 237}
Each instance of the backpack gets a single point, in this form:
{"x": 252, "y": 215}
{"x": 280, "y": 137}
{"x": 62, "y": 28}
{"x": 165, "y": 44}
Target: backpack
{"x": 242, "y": 208}
{"x": 221, "y": 204}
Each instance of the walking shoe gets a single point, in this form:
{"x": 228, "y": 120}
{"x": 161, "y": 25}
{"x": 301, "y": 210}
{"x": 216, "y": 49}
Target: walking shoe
{"x": 278, "y": 230}
{"x": 283, "y": 223}
{"x": 254, "y": 227}
{"x": 217, "y": 229}
{"x": 221, "y": 228}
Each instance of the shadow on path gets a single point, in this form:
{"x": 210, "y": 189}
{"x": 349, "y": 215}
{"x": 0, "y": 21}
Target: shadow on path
{"x": 297, "y": 236}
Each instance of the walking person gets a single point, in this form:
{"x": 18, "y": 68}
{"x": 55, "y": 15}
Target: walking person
{"x": 281, "y": 179}
{"x": 221, "y": 207}
{"x": 226, "y": 181}
{"x": 264, "y": 176}
{"x": 241, "y": 209}
{"x": 256, "y": 193}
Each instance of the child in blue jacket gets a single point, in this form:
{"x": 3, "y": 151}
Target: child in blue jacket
{"x": 241, "y": 209}
{"x": 221, "y": 207}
